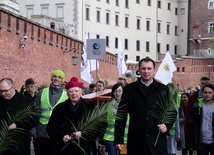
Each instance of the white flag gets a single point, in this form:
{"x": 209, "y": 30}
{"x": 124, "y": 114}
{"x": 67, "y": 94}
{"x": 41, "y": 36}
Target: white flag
{"x": 166, "y": 69}
{"x": 121, "y": 65}
{"x": 87, "y": 65}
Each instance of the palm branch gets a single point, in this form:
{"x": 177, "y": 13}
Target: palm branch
{"x": 92, "y": 122}
{"x": 14, "y": 138}
{"x": 10, "y": 139}
{"x": 164, "y": 111}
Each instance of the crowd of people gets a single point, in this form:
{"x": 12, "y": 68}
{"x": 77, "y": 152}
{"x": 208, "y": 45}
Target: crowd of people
{"x": 135, "y": 122}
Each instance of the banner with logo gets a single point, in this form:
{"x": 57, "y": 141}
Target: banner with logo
{"x": 96, "y": 49}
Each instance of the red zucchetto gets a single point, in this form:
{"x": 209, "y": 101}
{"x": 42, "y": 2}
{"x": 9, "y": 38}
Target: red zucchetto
{"x": 73, "y": 83}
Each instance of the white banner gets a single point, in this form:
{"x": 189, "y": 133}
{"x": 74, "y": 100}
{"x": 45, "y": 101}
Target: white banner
{"x": 121, "y": 64}
{"x": 87, "y": 65}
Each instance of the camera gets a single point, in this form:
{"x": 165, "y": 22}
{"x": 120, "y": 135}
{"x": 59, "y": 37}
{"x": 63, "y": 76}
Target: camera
{"x": 25, "y": 37}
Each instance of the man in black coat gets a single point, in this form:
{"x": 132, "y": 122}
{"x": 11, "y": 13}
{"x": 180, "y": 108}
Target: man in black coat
{"x": 10, "y": 102}
{"x": 64, "y": 120}
{"x": 140, "y": 100}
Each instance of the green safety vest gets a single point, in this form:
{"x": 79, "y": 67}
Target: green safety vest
{"x": 109, "y": 133}
{"x": 178, "y": 101}
{"x": 46, "y": 108}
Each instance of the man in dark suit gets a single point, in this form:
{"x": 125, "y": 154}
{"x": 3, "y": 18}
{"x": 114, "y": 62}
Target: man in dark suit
{"x": 10, "y": 103}
{"x": 141, "y": 100}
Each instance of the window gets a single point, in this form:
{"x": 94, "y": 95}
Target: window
{"x": 167, "y": 47}
{"x": 182, "y": 11}
{"x": 159, "y": 27}
{"x": 137, "y": 58}
{"x": 148, "y": 25}
{"x": 169, "y": 6}
{"x": 210, "y": 4}
{"x": 137, "y": 45}
{"x": 87, "y": 14}
{"x": 168, "y": 29}
{"x": 117, "y": 20}
{"x": 52, "y": 25}
{"x": 107, "y": 1}
{"x": 60, "y": 11}
{"x": 116, "y": 42}
{"x": 183, "y": 69}
{"x": 126, "y": 44}
{"x": 117, "y": 3}
{"x": 176, "y": 30}
{"x": 97, "y": 36}
{"x": 149, "y": 2}
{"x": 98, "y": 15}
{"x": 138, "y": 24}
{"x": 44, "y": 9}
{"x": 147, "y": 46}
{"x": 30, "y": 11}
{"x": 138, "y": 1}
{"x": 107, "y": 18}
{"x": 178, "y": 69}
{"x": 158, "y": 47}
{"x": 159, "y": 4}
{"x": 176, "y": 49}
{"x": 211, "y": 27}
{"x": 107, "y": 41}
{"x": 126, "y": 3}
{"x": 176, "y": 11}
{"x": 126, "y": 22}
{"x": 126, "y": 57}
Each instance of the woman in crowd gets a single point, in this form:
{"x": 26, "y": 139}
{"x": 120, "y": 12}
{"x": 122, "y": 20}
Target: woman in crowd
{"x": 117, "y": 91}
{"x": 182, "y": 112}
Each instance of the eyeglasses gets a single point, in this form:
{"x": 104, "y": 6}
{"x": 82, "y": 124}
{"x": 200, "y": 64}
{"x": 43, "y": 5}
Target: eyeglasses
{"x": 5, "y": 91}
{"x": 118, "y": 91}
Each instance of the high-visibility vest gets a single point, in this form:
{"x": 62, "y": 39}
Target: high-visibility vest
{"x": 109, "y": 133}
{"x": 46, "y": 108}
{"x": 178, "y": 101}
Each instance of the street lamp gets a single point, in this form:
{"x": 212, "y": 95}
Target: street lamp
{"x": 74, "y": 58}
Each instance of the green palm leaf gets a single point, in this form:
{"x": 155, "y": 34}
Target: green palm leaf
{"x": 23, "y": 114}
{"x": 14, "y": 138}
{"x": 10, "y": 139}
{"x": 164, "y": 111}
{"x": 92, "y": 122}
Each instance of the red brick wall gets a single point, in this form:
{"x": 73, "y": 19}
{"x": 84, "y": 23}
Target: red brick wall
{"x": 200, "y": 16}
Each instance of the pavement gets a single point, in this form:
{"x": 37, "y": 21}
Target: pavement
{"x": 32, "y": 151}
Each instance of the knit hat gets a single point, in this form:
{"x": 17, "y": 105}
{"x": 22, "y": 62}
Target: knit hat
{"x": 73, "y": 83}
{"x": 59, "y": 73}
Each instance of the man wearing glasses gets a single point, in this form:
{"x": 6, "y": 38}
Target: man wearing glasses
{"x": 12, "y": 101}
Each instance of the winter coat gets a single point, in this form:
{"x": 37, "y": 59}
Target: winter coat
{"x": 139, "y": 101}
{"x": 60, "y": 125}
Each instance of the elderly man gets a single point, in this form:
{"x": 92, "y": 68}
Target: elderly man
{"x": 10, "y": 103}
{"x": 65, "y": 119}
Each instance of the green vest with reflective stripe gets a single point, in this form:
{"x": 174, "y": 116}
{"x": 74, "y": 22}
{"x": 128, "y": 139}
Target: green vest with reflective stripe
{"x": 109, "y": 133}
{"x": 178, "y": 101}
{"x": 46, "y": 108}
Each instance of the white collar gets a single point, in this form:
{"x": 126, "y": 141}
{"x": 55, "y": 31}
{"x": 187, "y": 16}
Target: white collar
{"x": 146, "y": 84}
